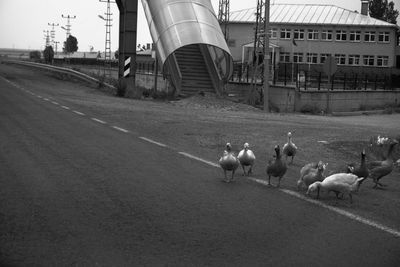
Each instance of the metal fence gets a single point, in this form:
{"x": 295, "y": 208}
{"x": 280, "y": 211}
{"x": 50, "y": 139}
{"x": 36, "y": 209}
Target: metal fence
{"x": 307, "y": 78}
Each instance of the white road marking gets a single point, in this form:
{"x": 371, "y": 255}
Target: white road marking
{"x": 65, "y": 107}
{"x": 55, "y": 103}
{"x": 152, "y": 141}
{"x": 79, "y": 113}
{"x": 120, "y": 129}
{"x": 99, "y": 121}
{"x": 46, "y": 99}
{"x": 39, "y": 96}
{"x": 344, "y": 213}
{"x": 199, "y": 159}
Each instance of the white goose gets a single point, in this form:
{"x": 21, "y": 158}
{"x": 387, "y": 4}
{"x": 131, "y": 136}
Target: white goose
{"x": 229, "y": 162}
{"x": 289, "y": 149}
{"x": 246, "y": 158}
{"x": 344, "y": 183}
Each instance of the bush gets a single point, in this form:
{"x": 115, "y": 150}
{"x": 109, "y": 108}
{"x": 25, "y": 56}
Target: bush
{"x": 35, "y": 55}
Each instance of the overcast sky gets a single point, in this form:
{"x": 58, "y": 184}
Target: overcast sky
{"x": 22, "y": 22}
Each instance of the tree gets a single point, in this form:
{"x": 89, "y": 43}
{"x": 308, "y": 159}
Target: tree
{"x": 48, "y": 54}
{"x": 383, "y": 10}
{"x": 71, "y": 44}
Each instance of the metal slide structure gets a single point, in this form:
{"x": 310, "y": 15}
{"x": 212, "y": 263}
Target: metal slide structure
{"x": 189, "y": 44}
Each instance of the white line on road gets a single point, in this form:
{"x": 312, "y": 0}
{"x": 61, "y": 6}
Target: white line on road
{"x": 79, "y": 113}
{"x": 65, "y": 107}
{"x": 55, "y": 103}
{"x": 199, "y": 159}
{"x": 152, "y": 141}
{"x": 46, "y": 99}
{"x": 120, "y": 129}
{"x": 99, "y": 121}
{"x": 344, "y": 213}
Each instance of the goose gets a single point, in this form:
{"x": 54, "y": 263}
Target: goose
{"x": 310, "y": 173}
{"x": 344, "y": 183}
{"x": 361, "y": 170}
{"x": 246, "y": 158}
{"x": 289, "y": 149}
{"x": 379, "y": 169}
{"x": 229, "y": 162}
{"x": 276, "y": 167}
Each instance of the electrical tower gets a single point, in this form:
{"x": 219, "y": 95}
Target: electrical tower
{"x": 53, "y": 32}
{"x": 68, "y": 25}
{"x": 223, "y": 17}
{"x": 107, "y": 49}
{"x": 261, "y": 50}
{"x": 46, "y": 38}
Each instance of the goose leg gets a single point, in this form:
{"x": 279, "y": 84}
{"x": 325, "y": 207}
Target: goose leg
{"x": 351, "y": 198}
{"x": 233, "y": 173}
{"x": 250, "y": 170}
{"x": 269, "y": 179}
{"x": 279, "y": 182}
{"x": 244, "y": 170}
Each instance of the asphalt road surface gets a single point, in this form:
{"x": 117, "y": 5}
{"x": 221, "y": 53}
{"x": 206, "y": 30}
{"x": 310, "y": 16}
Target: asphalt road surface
{"x": 79, "y": 190}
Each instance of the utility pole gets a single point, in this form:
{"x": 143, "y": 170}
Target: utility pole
{"x": 68, "y": 25}
{"x": 56, "y": 43}
{"x": 53, "y": 32}
{"x": 223, "y": 17}
{"x": 46, "y": 37}
{"x": 107, "y": 49}
{"x": 261, "y": 41}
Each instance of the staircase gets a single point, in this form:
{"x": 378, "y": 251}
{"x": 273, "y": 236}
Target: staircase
{"x": 195, "y": 76}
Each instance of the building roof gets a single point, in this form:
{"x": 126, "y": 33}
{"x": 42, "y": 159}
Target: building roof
{"x": 310, "y": 14}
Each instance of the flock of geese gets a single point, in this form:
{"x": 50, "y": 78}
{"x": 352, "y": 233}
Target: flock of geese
{"x": 312, "y": 174}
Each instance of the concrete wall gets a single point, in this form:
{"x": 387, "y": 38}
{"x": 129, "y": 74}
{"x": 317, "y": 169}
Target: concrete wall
{"x": 289, "y": 99}
{"x": 146, "y": 81}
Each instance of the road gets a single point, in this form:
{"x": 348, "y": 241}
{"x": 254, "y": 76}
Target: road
{"x": 79, "y": 189}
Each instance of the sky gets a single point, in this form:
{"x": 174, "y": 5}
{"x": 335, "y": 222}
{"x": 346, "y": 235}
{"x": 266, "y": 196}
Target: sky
{"x": 23, "y": 22}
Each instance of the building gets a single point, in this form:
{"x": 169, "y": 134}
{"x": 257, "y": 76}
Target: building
{"x": 307, "y": 34}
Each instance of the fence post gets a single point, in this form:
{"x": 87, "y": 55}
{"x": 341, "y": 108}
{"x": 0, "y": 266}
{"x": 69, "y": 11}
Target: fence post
{"x": 284, "y": 80}
{"x": 332, "y": 81}
{"x": 319, "y": 81}
{"x": 384, "y": 82}
{"x": 366, "y": 82}
{"x": 344, "y": 81}
{"x": 356, "y": 81}
{"x": 376, "y": 81}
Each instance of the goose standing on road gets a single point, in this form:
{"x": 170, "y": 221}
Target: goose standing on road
{"x": 229, "y": 162}
{"x": 246, "y": 158}
{"x": 276, "y": 167}
{"x": 289, "y": 149}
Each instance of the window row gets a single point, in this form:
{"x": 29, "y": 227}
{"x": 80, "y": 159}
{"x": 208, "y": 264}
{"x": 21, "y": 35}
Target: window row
{"x": 330, "y": 35}
{"x": 341, "y": 59}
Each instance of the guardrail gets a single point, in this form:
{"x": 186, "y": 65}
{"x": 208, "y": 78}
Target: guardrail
{"x": 67, "y": 71}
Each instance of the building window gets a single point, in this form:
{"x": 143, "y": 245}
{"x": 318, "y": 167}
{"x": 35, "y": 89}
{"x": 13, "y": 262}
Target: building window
{"x": 312, "y": 58}
{"x": 326, "y": 35}
{"x": 355, "y": 36}
{"x": 369, "y": 36}
{"x": 298, "y": 57}
{"x": 341, "y": 35}
{"x": 382, "y": 61}
{"x": 340, "y": 59}
{"x": 323, "y": 57}
{"x": 369, "y": 60}
{"x": 312, "y": 34}
{"x": 285, "y": 34}
{"x": 383, "y": 37}
{"x": 298, "y": 34}
{"x": 273, "y": 33}
{"x": 284, "y": 57}
{"x": 354, "y": 59}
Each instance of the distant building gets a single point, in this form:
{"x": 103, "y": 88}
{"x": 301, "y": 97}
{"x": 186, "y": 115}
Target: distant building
{"x": 307, "y": 34}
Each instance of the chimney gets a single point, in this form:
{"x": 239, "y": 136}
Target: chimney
{"x": 365, "y": 7}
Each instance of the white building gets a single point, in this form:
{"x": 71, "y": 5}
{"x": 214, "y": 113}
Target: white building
{"x": 307, "y": 34}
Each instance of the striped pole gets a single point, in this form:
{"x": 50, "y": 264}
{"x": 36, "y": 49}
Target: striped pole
{"x": 127, "y": 66}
